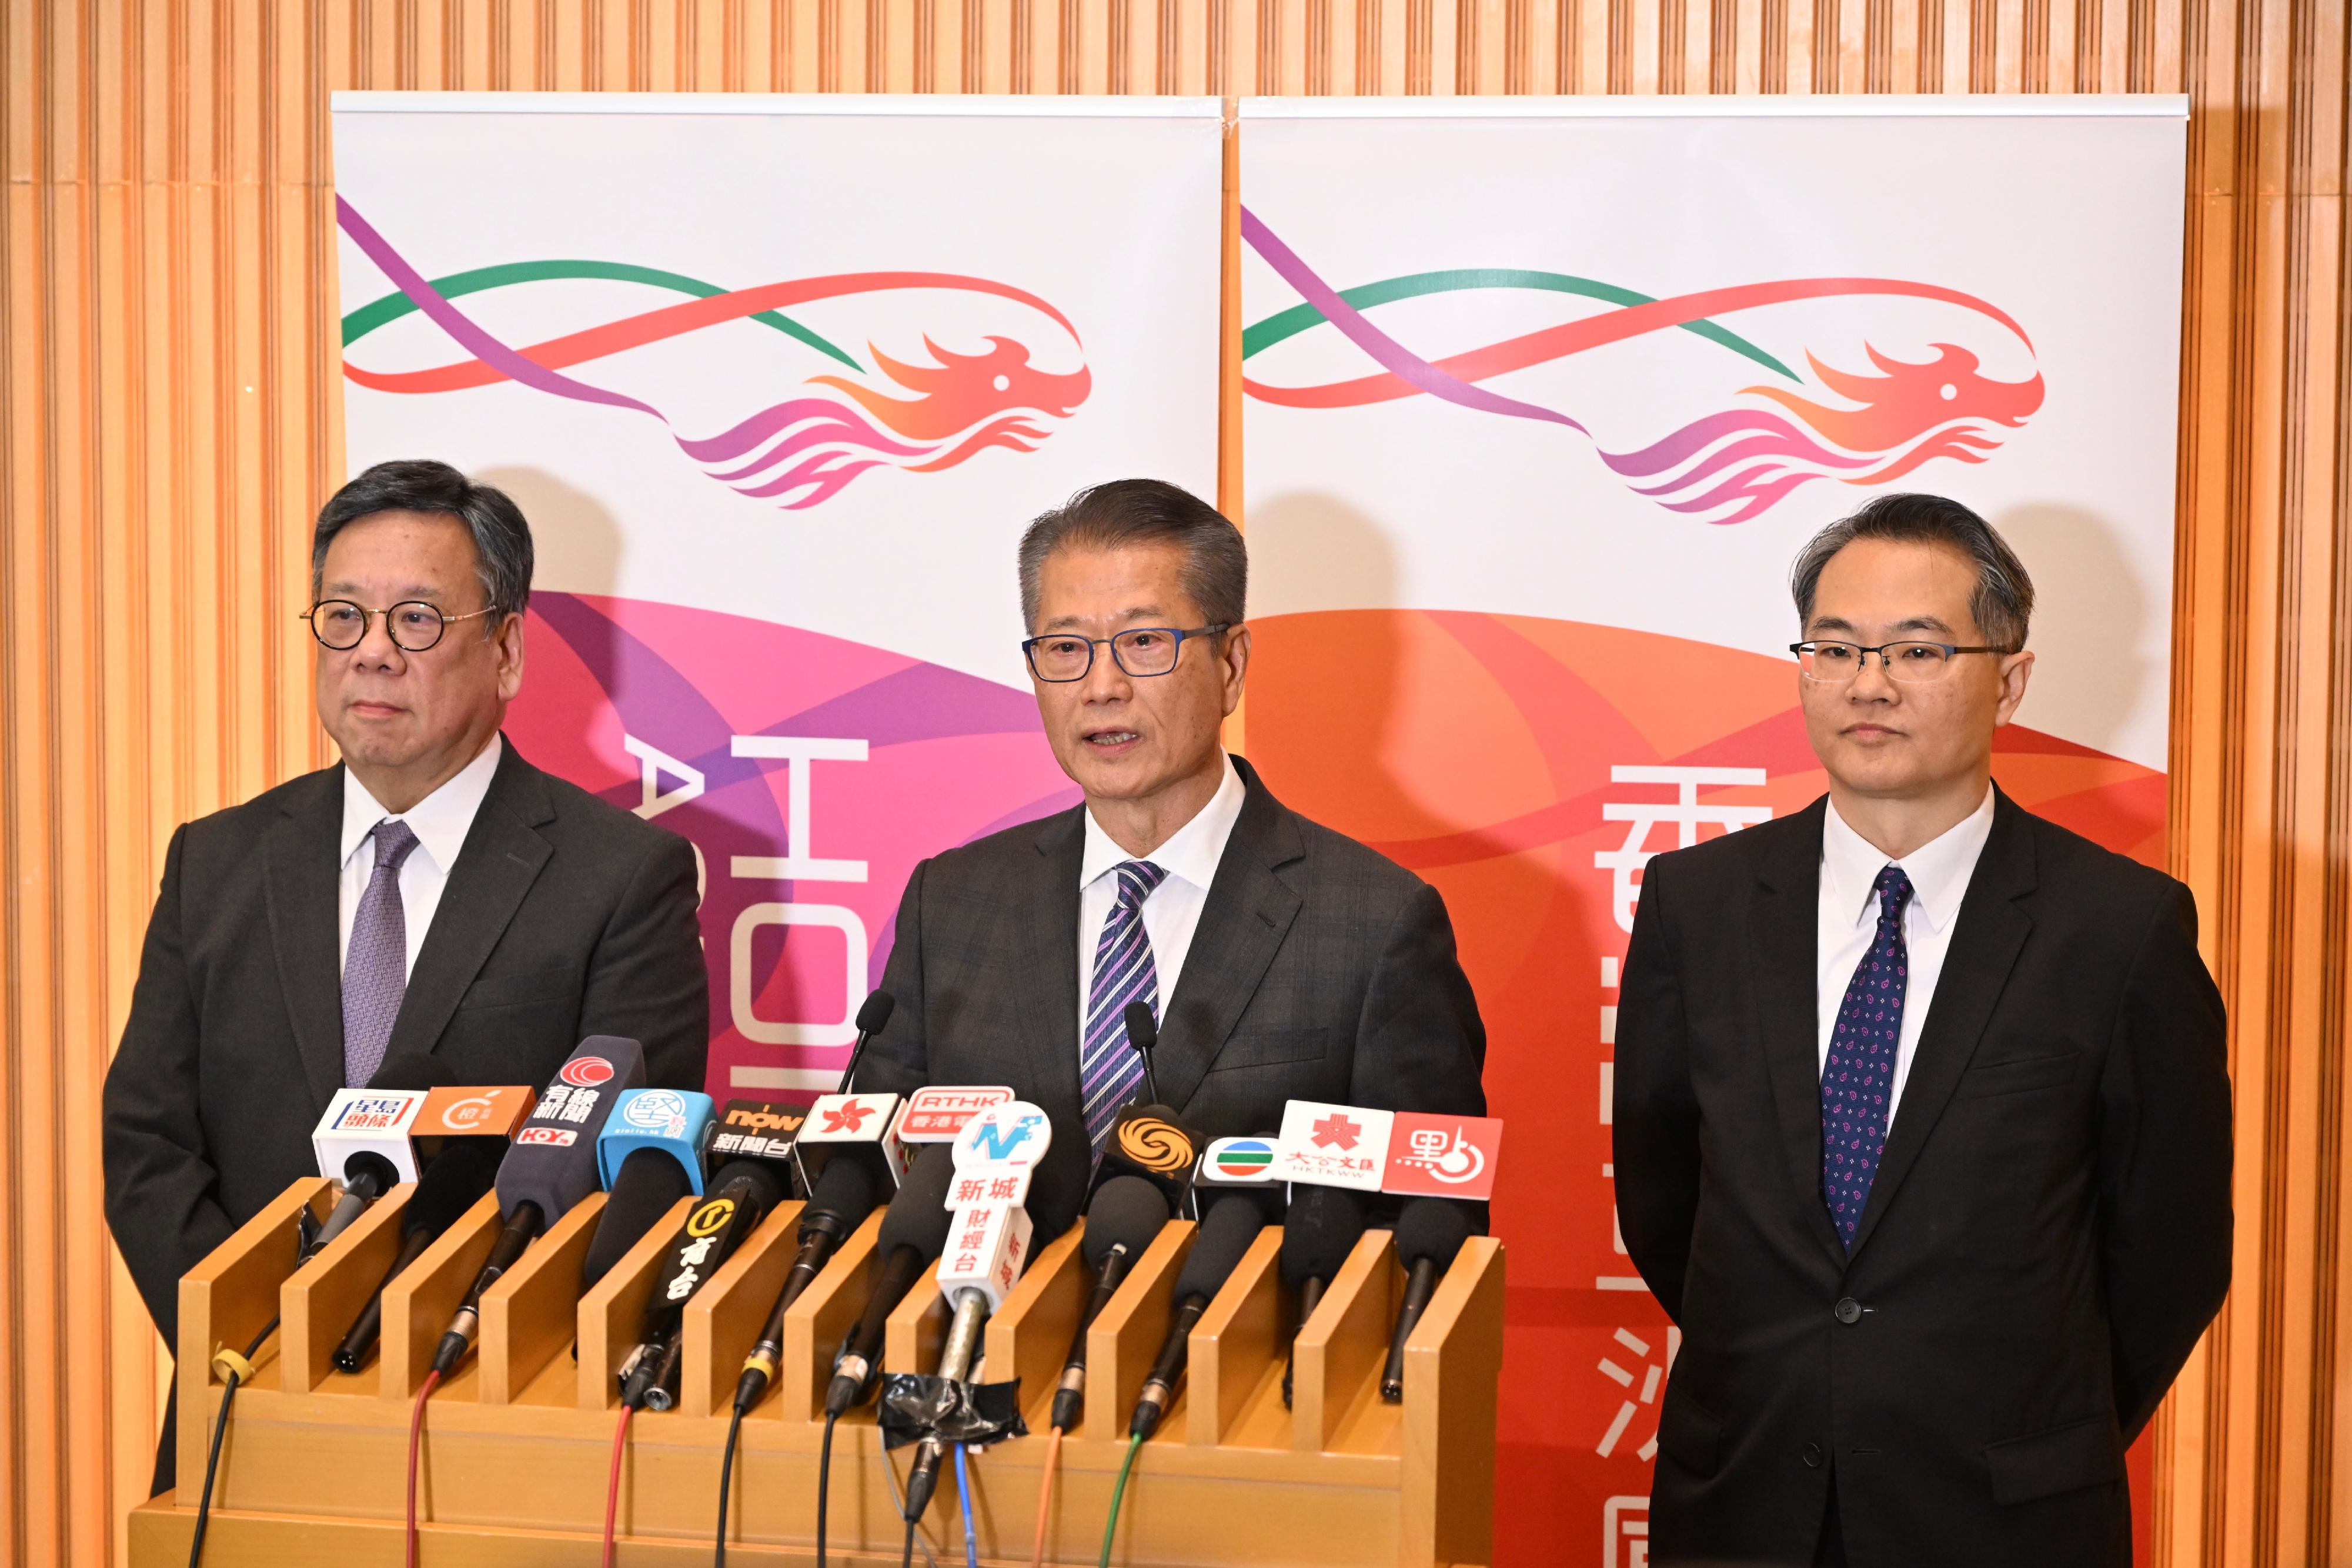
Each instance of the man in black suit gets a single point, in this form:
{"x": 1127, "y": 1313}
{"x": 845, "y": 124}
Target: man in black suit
{"x": 1284, "y": 960}
{"x": 433, "y": 893}
{"x": 1929, "y": 1341}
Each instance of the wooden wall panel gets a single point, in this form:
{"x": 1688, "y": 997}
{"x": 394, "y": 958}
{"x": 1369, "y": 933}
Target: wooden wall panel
{"x": 169, "y": 420}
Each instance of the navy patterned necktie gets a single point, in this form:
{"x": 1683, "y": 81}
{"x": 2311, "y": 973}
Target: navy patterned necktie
{"x": 1858, "y": 1079}
{"x": 375, "y": 970}
{"x": 1108, "y": 1068}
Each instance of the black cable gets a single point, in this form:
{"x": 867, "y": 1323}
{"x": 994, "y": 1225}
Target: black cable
{"x": 726, "y": 1478}
{"x": 906, "y": 1554}
{"x": 220, "y": 1430}
{"x": 824, "y": 1481}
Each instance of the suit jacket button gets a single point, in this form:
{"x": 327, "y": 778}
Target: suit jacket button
{"x": 1812, "y": 1455}
{"x": 1848, "y": 1310}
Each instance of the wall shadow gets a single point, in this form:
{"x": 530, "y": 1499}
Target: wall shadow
{"x": 2091, "y": 610}
{"x": 580, "y": 545}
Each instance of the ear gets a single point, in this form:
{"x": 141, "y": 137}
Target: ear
{"x": 508, "y": 650}
{"x": 2016, "y": 669}
{"x": 1232, "y": 664}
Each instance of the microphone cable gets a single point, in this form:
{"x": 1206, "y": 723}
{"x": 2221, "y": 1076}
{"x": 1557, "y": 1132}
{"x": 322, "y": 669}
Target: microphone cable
{"x": 1045, "y": 1498}
{"x": 236, "y": 1370}
{"x": 963, "y": 1490}
{"x": 823, "y": 1482}
{"x": 726, "y": 1481}
{"x": 612, "y": 1487}
{"x": 1117, "y": 1493}
{"x": 416, "y": 1442}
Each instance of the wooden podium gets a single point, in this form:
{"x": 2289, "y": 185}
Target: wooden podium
{"x": 518, "y": 1442}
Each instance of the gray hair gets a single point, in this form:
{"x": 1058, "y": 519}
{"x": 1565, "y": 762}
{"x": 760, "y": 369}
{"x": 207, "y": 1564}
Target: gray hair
{"x": 1128, "y": 512}
{"x": 503, "y": 550}
{"x": 2003, "y": 600}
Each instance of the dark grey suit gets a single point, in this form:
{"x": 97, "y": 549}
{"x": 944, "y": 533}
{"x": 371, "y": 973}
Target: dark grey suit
{"x": 565, "y": 916}
{"x": 2047, "y": 1234}
{"x": 1319, "y": 971}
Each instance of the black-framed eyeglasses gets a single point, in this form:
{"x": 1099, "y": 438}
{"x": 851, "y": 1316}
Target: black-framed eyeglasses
{"x": 1139, "y": 651}
{"x": 412, "y": 625}
{"x": 1914, "y": 664}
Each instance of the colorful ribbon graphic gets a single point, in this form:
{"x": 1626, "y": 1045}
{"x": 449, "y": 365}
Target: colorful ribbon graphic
{"x": 1737, "y": 464}
{"x": 800, "y": 450}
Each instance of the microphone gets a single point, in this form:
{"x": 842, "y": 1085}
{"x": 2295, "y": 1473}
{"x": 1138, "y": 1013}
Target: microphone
{"x": 551, "y": 1166}
{"x": 996, "y": 1157}
{"x": 1125, "y": 1215}
{"x": 871, "y": 1019}
{"x": 1322, "y": 1227}
{"x": 1429, "y": 1233}
{"x": 846, "y": 1194}
{"x": 914, "y": 1232}
{"x": 851, "y": 1126}
{"x": 649, "y": 1155}
{"x": 1149, "y": 1143}
{"x": 741, "y": 1195}
{"x": 1233, "y": 1223}
{"x": 1143, "y": 1033}
{"x": 369, "y": 1169}
{"x": 451, "y": 1184}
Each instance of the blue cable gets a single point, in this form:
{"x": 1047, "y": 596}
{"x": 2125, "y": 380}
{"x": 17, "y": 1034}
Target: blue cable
{"x": 963, "y": 1490}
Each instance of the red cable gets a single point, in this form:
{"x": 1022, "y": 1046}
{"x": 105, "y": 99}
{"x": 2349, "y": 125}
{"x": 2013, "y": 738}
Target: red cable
{"x": 416, "y": 1441}
{"x": 1045, "y": 1498}
{"x": 612, "y": 1490}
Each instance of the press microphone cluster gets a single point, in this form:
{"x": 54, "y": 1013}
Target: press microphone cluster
{"x": 740, "y": 1195}
{"x": 552, "y": 1165}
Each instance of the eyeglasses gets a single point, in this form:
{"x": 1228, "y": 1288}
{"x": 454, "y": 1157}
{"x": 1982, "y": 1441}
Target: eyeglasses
{"x": 412, "y": 625}
{"x": 1139, "y": 651}
{"x": 1913, "y": 664}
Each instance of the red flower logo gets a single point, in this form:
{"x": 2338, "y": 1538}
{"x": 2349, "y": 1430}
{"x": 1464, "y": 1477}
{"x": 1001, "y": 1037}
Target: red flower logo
{"x": 1335, "y": 1131}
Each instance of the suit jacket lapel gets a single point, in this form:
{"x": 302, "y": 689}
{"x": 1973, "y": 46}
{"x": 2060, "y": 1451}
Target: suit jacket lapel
{"x": 1783, "y": 942}
{"x": 1248, "y": 913}
{"x": 302, "y": 871}
{"x": 1990, "y": 933}
{"x": 1050, "y": 973}
{"x": 501, "y": 859}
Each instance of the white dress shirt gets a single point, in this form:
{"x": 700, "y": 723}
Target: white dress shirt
{"x": 1939, "y": 871}
{"x": 440, "y": 822}
{"x": 1172, "y": 910}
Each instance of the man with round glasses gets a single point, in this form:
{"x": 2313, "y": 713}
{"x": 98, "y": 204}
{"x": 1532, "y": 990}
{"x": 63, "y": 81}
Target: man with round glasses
{"x": 431, "y": 893}
{"x": 1282, "y": 960}
{"x": 1922, "y": 1114}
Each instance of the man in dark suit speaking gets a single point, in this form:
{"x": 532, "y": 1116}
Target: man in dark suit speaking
{"x": 433, "y": 893}
{"x": 1922, "y": 1118}
{"x": 1283, "y": 960}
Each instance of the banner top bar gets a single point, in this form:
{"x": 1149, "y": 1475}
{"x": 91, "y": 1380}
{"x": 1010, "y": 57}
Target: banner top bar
{"x": 948, "y": 105}
{"x": 1957, "y": 106}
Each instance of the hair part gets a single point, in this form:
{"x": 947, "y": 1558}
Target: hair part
{"x": 502, "y": 549}
{"x": 1125, "y": 513}
{"x": 2003, "y": 600}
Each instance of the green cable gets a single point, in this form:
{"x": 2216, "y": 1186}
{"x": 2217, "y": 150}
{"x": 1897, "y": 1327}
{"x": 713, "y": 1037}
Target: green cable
{"x": 1118, "y": 1491}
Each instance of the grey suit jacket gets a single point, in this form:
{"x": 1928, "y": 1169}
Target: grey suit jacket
{"x": 565, "y": 916}
{"x": 1319, "y": 971}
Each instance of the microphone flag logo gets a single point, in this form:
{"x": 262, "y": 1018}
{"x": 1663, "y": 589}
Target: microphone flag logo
{"x": 1442, "y": 1156}
{"x": 1336, "y": 1131}
{"x": 586, "y": 1072}
{"x": 656, "y": 1111}
{"x": 1241, "y": 1159}
{"x": 847, "y": 1117}
{"x": 1332, "y": 1145}
{"x": 1157, "y": 1145}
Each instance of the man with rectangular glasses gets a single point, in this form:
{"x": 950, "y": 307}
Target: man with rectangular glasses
{"x": 1282, "y": 960}
{"x": 431, "y": 893}
{"x": 1922, "y": 1114}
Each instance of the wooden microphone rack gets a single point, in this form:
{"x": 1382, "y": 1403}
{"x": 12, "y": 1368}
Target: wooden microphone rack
{"x": 518, "y": 1442}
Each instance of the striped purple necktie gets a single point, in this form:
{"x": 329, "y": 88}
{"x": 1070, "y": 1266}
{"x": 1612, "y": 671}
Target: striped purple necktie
{"x": 1108, "y": 1068}
{"x": 375, "y": 970}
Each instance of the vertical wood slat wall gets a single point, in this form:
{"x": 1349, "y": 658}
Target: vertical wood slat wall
{"x": 170, "y": 419}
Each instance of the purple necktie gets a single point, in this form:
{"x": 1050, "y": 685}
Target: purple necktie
{"x": 375, "y": 970}
{"x": 1858, "y": 1079}
{"x": 1108, "y": 1068}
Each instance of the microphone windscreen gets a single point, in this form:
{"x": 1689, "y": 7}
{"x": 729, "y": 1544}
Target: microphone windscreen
{"x": 918, "y": 1217}
{"x": 645, "y": 1189}
{"x": 412, "y": 1069}
{"x": 1057, "y": 1191}
{"x": 844, "y": 1190}
{"x": 1233, "y": 1223}
{"x": 1432, "y": 1228}
{"x": 1127, "y": 1209}
{"x": 765, "y": 1191}
{"x": 368, "y": 1162}
{"x": 876, "y": 1013}
{"x": 451, "y": 1184}
{"x": 1142, "y": 1027}
{"x": 1322, "y": 1227}
{"x": 553, "y": 1164}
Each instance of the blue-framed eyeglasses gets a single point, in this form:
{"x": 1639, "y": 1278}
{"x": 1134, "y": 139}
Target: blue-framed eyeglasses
{"x": 1139, "y": 651}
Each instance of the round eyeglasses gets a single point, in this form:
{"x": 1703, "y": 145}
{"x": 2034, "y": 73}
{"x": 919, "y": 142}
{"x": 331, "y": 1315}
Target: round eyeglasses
{"x": 1913, "y": 664}
{"x": 412, "y": 625}
{"x": 1139, "y": 651}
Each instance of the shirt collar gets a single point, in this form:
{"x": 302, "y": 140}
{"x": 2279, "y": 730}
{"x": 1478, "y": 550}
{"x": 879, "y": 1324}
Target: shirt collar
{"x": 440, "y": 821}
{"x": 1939, "y": 869}
{"x": 1191, "y": 851}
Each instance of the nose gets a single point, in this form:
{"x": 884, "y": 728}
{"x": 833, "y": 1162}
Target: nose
{"x": 1105, "y": 682}
{"x": 1872, "y": 684}
{"x": 375, "y": 648}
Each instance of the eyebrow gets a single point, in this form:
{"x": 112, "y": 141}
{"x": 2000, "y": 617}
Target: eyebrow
{"x": 1913, "y": 624}
{"x": 400, "y": 595}
{"x": 1064, "y": 622}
